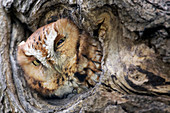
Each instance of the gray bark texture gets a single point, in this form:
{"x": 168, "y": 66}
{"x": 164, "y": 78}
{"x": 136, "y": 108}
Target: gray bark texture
{"x": 135, "y": 36}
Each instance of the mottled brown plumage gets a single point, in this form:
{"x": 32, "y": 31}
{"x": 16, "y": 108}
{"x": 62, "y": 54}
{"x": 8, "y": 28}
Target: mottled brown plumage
{"x": 58, "y": 60}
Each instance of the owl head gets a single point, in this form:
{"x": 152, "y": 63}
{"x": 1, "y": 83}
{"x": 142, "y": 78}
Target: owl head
{"x": 56, "y": 59}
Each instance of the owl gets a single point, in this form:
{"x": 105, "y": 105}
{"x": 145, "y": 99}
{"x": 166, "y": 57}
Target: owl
{"x": 58, "y": 60}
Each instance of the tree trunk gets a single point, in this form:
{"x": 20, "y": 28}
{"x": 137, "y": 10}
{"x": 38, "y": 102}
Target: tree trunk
{"x": 135, "y": 36}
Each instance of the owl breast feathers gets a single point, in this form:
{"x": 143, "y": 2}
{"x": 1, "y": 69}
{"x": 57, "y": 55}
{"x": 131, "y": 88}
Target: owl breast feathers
{"x": 58, "y": 60}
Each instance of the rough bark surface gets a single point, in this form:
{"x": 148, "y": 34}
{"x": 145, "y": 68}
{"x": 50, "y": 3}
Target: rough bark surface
{"x": 135, "y": 35}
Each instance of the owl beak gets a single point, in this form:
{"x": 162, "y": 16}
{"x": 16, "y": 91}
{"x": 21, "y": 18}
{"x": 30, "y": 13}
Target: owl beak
{"x": 58, "y": 68}
{"x": 55, "y": 66}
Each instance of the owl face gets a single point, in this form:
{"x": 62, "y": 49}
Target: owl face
{"x": 57, "y": 60}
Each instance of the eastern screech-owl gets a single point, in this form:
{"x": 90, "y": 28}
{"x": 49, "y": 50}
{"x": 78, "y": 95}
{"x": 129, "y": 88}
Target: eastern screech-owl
{"x": 58, "y": 60}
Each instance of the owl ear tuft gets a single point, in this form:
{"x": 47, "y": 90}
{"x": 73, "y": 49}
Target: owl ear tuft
{"x": 21, "y": 47}
{"x": 23, "y": 42}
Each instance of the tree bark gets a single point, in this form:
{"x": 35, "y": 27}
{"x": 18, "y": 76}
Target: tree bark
{"x": 135, "y": 36}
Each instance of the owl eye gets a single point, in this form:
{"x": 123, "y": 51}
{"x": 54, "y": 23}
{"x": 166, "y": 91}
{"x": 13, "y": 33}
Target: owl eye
{"x": 60, "y": 41}
{"x": 36, "y": 62}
